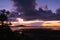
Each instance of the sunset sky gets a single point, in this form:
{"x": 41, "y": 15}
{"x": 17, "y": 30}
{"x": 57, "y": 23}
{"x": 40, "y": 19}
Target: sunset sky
{"x": 52, "y": 4}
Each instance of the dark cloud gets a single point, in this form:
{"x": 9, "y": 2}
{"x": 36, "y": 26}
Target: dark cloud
{"x": 24, "y": 5}
{"x": 28, "y": 11}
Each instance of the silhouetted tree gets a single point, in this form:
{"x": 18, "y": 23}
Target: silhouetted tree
{"x": 5, "y": 31}
{"x": 3, "y": 16}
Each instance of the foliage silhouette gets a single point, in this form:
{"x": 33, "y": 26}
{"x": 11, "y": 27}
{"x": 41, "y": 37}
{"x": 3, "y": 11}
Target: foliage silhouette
{"x": 3, "y": 16}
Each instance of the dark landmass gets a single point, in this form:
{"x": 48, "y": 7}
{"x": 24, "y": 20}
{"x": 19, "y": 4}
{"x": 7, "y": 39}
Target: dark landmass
{"x": 40, "y": 34}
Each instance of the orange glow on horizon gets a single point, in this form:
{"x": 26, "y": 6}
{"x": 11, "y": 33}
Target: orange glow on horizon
{"x": 44, "y": 23}
{"x": 51, "y": 23}
{"x": 22, "y": 22}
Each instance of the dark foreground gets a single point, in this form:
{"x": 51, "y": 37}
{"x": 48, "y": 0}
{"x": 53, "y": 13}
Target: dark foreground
{"x": 41, "y": 34}
{"x": 29, "y": 34}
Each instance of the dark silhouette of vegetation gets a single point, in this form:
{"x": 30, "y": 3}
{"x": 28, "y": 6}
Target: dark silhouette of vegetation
{"x": 5, "y": 31}
{"x": 3, "y": 16}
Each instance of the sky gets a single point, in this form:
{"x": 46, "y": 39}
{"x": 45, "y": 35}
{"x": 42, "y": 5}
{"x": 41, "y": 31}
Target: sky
{"x": 52, "y": 4}
{"x": 6, "y": 4}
